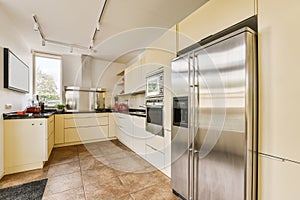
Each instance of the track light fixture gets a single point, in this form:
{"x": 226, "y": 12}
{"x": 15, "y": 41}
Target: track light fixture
{"x": 37, "y": 27}
{"x": 43, "y": 42}
{"x": 98, "y": 26}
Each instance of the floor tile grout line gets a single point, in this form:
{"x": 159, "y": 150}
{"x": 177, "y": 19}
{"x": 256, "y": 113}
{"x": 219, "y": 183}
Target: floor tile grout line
{"x": 81, "y": 175}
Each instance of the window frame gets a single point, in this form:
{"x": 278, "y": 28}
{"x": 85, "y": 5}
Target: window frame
{"x": 52, "y": 56}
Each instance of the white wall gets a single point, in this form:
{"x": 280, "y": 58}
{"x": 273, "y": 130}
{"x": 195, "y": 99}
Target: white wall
{"x": 71, "y": 70}
{"x": 104, "y": 74}
{"x": 12, "y": 39}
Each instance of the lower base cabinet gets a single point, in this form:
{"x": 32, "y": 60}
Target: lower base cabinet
{"x": 278, "y": 180}
{"x": 155, "y": 157}
{"x": 27, "y": 143}
{"x": 154, "y": 149}
{"x": 85, "y": 133}
{"x": 80, "y": 128}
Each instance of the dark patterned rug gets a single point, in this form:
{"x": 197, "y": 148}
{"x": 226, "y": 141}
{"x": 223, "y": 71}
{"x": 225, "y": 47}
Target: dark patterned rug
{"x": 27, "y": 191}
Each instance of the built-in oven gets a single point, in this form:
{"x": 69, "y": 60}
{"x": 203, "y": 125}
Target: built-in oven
{"x": 155, "y": 84}
{"x": 180, "y": 111}
{"x": 154, "y": 116}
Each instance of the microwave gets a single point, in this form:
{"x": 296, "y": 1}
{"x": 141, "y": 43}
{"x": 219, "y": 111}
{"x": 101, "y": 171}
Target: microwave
{"x": 155, "y": 84}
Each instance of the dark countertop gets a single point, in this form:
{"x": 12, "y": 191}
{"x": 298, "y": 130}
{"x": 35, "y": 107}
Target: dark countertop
{"x": 15, "y": 115}
{"x": 47, "y": 114}
{"x": 88, "y": 111}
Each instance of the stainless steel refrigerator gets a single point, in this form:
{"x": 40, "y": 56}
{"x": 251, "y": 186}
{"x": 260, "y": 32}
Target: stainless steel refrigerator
{"x": 214, "y": 139}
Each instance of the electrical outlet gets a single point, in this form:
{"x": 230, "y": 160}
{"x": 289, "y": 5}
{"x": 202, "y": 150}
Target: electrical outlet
{"x": 8, "y": 106}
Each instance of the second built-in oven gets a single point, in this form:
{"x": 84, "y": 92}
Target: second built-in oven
{"x": 154, "y": 116}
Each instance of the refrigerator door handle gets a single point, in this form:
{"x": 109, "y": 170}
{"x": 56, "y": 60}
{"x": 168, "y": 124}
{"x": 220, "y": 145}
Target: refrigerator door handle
{"x": 191, "y": 72}
{"x": 195, "y": 169}
{"x": 190, "y": 150}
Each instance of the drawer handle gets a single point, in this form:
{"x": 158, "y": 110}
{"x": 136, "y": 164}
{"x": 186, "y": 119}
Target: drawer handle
{"x": 152, "y": 148}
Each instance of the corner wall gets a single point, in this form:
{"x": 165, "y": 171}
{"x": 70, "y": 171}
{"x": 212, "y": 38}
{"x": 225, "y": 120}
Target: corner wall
{"x": 12, "y": 39}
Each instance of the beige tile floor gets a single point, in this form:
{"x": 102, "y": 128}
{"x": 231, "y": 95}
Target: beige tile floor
{"x": 104, "y": 170}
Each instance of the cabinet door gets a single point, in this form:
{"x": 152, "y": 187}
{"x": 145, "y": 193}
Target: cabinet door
{"x": 212, "y": 17}
{"x": 155, "y": 157}
{"x": 25, "y": 142}
{"x": 125, "y": 126}
{"x": 133, "y": 78}
{"x": 112, "y": 125}
{"x": 59, "y": 135}
{"x": 167, "y": 152}
{"x": 139, "y": 135}
{"x": 278, "y": 180}
{"x": 85, "y": 133}
{"x": 279, "y": 78}
{"x": 51, "y": 134}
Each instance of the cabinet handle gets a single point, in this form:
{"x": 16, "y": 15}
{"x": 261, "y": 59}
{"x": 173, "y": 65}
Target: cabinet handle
{"x": 32, "y": 124}
{"x": 153, "y": 148}
{"x": 41, "y": 123}
{"x": 272, "y": 157}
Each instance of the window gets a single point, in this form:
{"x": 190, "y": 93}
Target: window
{"x": 47, "y": 78}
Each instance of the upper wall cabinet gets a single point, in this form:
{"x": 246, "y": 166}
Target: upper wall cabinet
{"x": 133, "y": 78}
{"x": 279, "y": 83}
{"x": 212, "y": 17}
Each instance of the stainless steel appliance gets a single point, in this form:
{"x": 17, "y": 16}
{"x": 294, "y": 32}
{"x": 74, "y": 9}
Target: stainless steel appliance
{"x": 154, "y": 116}
{"x": 155, "y": 84}
{"x": 214, "y": 139}
{"x": 84, "y": 99}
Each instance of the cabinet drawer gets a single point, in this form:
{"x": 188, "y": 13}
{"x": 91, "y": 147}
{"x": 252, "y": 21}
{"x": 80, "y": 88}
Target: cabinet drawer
{"x": 156, "y": 158}
{"x": 85, "y": 133}
{"x": 157, "y": 142}
{"x": 85, "y": 115}
{"x": 84, "y": 122}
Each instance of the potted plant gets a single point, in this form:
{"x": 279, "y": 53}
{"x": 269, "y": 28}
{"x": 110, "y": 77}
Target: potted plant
{"x": 60, "y": 107}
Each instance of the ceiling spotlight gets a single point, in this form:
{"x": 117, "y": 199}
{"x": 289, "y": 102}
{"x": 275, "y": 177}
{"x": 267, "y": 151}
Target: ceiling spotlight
{"x": 98, "y": 26}
{"x": 43, "y": 42}
{"x": 92, "y": 44}
{"x": 35, "y": 26}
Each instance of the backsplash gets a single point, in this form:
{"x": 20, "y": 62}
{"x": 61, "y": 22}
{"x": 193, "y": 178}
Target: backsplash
{"x": 133, "y": 101}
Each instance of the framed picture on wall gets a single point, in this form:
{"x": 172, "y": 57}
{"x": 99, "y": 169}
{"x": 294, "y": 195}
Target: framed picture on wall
{"x": 16, "y": 73}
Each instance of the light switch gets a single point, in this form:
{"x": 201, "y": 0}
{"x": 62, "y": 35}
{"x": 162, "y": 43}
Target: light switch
{"x": 8, "y": 106}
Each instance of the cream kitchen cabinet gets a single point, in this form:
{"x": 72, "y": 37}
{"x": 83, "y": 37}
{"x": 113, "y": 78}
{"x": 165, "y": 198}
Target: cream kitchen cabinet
{"x": 278, "y": 180}
{"x": 155, "y": 151}
{"x": 81, "y": 128}
{"x": 59, "y": 129}
{"x": 167, "y": 153}
{"x": 124, "y": 129}
{"x": 279, "y": 78}
{"x": 139, "y": 136}
{"x": 85, "y": 127}
{"x": 51, "y": 133}
{"x": 112, "y": 126}
{"x": 212, "y": 17}
{"x": 133, "y": 78}
{"x": 27, "y": 143}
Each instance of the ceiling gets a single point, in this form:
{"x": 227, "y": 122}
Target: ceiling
{"x": 126, "y": 26}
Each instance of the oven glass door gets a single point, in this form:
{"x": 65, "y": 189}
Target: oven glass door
{"x": 152, "y": 87}
{"x": 155, "y": 115}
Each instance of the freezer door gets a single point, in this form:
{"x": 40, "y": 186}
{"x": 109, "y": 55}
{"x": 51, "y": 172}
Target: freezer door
{"x": 180, "y": 133}
{"x": 222, "y": 169}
